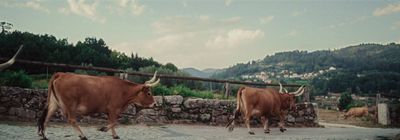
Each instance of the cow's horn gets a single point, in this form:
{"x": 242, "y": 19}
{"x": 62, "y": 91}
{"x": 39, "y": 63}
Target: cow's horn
{"x": 280, "y": 88}
{"x": 11, "y": 61}
{"x": 152, "y": 79}
{"x": 153, "y": 84}
{"x": 298, "y": 90}
{"x": 301, "y": 93}
{"x": 285, "y": 90}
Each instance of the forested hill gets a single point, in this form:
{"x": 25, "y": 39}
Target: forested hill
{"x": 354, "y": 58}
{"x": 48, "y": 48}
{"x": 361, "y": 69}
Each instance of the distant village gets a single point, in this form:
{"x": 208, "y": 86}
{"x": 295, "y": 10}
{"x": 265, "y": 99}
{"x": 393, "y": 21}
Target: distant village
{"x": 267, "y": 77}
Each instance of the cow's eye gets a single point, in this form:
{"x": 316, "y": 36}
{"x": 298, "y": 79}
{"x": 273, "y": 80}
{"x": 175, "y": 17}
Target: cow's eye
{"x": 148, "y": 93}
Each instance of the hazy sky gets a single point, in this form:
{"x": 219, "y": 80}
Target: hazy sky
{"x": 210, "y": 33}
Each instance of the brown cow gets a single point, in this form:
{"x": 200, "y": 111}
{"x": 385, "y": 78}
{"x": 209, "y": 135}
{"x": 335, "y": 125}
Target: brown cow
{"x": 263, "y": 102}
{"x": 83, "y": 95}
{"x": 11, "y": 61}
{"x": 356, "y": 112}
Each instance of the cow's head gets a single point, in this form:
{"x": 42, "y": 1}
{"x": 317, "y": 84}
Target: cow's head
{"x": 289, "y": 98}
{"x": 144, "y": 97}
{"x": 11, "y": 61}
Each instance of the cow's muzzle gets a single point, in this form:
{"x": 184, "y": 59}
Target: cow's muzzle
{"x": 154, "y": 104}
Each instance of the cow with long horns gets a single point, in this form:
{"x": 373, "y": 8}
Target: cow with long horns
{"x": 84, "y": 95}
{"x": 265, "y": 103}
{"x": 11, "y": 61}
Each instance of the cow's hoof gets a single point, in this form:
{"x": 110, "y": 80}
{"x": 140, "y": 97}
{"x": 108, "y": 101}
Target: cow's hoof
{"x": 44, "y": 138}
{"x": 83, "y": 138}
{"x": 266, "y": 131}
{"x": 251, "y": 132}
{"x": 230, "y": 129}
{"x": 282, "y": 130}
{"x": 115, "y": 137}
{"x": 103, "y": 129}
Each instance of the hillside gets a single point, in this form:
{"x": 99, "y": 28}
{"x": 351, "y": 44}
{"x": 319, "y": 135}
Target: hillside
{"x": 356, "y": 63}
{"x": 206, "y": 73}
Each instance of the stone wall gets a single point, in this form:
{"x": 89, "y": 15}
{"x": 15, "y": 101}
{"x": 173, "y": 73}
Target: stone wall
{"x": 26, "y": 105}
{"x": 394, "y": 114}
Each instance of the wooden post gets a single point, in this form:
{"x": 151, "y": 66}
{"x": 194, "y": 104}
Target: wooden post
{"x": 211, "y": 89}
{"x": 306, "y": 97}
{"x": 227, "y": 90}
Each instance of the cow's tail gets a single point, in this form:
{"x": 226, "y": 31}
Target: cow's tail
{"x": 239, "y": 104}
{"x": 50, "y": 106}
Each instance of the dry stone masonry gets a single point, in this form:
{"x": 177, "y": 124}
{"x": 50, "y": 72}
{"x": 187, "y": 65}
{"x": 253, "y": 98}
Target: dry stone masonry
{"x": 17, "y": 104}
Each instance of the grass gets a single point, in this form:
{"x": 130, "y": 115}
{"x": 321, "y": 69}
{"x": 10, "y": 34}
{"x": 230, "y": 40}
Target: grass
{"x": 40, "y": 81}
{"x": 40, "y": 84}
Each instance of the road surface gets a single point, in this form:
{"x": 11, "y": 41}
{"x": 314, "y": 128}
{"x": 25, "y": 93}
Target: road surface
{"x": 195, "y": 132}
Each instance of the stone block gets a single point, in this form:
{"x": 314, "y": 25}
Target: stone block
{"x": 147, "y": 112}
{"x": 300, "y": 119}
{"x": 290, "y": 118}
{"x": 3, "y": 109}
{"x": 176, "y": 109}
{"x": 174, "y": 100}
{"x": 223, "y": 119}
{"x": 205, "y": 117}
{"x": 192, "y": 103}
{"x": 159, "y": 100}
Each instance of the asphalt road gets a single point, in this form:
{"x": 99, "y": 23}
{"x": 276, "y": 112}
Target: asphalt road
{"x": 196, "y": 132}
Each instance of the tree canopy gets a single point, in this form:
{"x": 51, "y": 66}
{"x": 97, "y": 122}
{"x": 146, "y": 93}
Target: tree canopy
{"x": 48, "y": 48}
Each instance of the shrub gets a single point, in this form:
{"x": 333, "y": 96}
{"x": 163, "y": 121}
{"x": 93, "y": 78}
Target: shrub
{"x": 161, "y": 90}
{"x": 344, "y": 101}
{"x": 181, "y": 90}
{"x": 355, "y": 103}
{"x": 16, "y": 79}
{"x": 204, "y": 94}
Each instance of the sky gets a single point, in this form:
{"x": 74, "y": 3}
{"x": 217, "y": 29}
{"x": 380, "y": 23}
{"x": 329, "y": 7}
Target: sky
{"x": 210, "y": 33}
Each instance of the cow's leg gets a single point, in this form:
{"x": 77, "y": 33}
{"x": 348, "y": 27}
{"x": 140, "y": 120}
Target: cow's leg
{"x": 264, "y": 120}
{"x": 47, "y": 113}
{"x": 72, "y": 121}
{"x": 247, "y": 118}
{"x": 247, "y": 121}
{"x": 112, "y": 122}
{"x": 232, "y": 125}
{"x": 248, "y": 113}
{"x": 111, "y": 125}
{"x": 282, "y": 121}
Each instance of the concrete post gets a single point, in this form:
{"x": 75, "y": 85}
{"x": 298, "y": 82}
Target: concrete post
{"x": 383, "y": 114}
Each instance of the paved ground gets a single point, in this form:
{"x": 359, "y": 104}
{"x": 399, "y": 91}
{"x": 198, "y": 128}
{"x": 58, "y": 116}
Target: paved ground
{"x": 195, "y": 132}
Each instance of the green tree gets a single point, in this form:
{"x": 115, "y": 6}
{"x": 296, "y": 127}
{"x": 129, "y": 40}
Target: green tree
{"x": 344, "y": 101}
{"x": 5, "y": 26}
{"x": 171, "y": 66}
